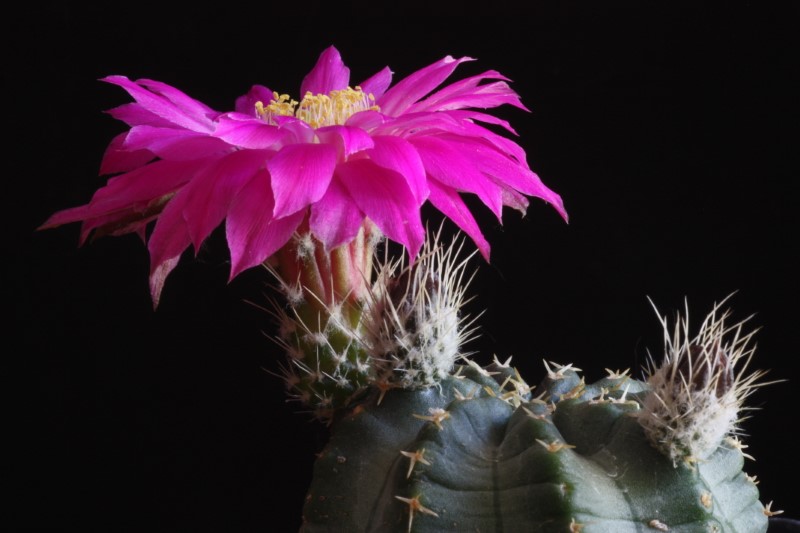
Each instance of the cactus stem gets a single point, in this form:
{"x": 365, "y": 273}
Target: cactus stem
{"x": 414, "y": 458}
{"x": 554, "y": 446}
{"x": 415, "y": 506}
{"x": 437, "y": 416}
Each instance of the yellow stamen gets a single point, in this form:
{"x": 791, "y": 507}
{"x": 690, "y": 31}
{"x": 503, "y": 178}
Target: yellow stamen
{"x": 318, "y": 110}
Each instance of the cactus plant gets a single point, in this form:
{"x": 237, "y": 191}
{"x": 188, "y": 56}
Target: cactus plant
{"x": 424, "y": 439}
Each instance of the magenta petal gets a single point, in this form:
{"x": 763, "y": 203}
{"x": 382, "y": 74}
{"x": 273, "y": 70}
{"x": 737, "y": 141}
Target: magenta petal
{"x": 210, "y": 194}
{"x": 447, "y": 200}
{"x": 173, "y": 143}
{"x": 136, "y": 115}
{"x": 246, "y": 104}
{"x": 468, "y": 93}
{"x": 347, "y": 139}
{"x": 401, "y": 156}
{"x": 253, "y": 235}
{"x": 143, "y": 185}
{"x": 366, "y": 120}
{"x": 329, "y": 74}
{"x": 117, "y": 159}
{"x": 336, "y": 218}
{"x": 300, "y": 176}
{"x": 158, "y": 275}
{"x": 248, "y": 133}
{"x": 377, "y": 84}
{"x": 504, "y": 170}
{"x": 397, "y": 99}
{"x": 385, "y": 197}
{"x": 161, "y": 106}
{"x": 182, "y": 101}
{"x": 446, "y": 163}
{"x": 169, "y": 239}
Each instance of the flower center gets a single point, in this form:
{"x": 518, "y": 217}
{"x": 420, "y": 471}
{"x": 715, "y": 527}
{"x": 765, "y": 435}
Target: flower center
{"x": 318, "y": 110}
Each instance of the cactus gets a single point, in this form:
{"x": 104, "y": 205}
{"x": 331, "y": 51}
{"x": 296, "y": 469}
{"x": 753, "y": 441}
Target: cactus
{"x": 428, "y": 440}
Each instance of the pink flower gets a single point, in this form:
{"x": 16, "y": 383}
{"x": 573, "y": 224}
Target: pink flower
{"x": 337, "y": 157}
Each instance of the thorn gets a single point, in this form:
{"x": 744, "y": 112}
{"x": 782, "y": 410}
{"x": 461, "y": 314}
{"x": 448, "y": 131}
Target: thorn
{"x": 414, "y": 506}
{"x": 437, "y": 416}
{"x": 706, "y": 500}
{"x": 554, "y": 446}
{"x": 616, "y": 374}
{"x": 497, "y": 362}
{"x": 459, "y": 396}
{"x": 560, "y": 369}
{"x": 533, "y": 415}
{"x": 575, "y": 527}
{"x": 415, "y": 457}
{"x": 658, "y": 524}
{"x": 768, "y": 510}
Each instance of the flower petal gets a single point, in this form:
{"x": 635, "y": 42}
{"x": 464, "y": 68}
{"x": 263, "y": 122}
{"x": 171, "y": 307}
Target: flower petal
{"x": 335, "y": 219}
{"x": 210, "y": 194}
{"x": 468, "y": 93}
{"x": 188, "y": 105}
{"x": 136, "y": 115}
{"x": 329, "y": 74}
{"x": 401, "y": 156}
{"x": 246, "y": 104}
{"x": 300, "y": 176}
{"x": 249, "y": 133}
{"x": 385, "y": 197}
{"x": 253, "y": 234}
{"x": 397, "y": 99}
{"x": 173, "y": 143}
{"x": 502, "y": 169}
{"x": 117, "y": 159}
{"x": 447, "y": 200}
{"x": 164, "y": 107}
{"x": 377, "y": 84}
{"x": 348, "y": 139}
{"x": 446, "y": 163}
{"x": 168, "y": 241}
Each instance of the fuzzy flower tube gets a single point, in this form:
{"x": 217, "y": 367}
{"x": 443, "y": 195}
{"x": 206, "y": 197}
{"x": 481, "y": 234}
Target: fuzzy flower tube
{"x": 423, "y": 438}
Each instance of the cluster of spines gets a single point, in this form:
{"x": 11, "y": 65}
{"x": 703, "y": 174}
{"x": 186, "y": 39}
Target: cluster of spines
{"x": 413, "y": 329}
{"x": 697, "y": 393}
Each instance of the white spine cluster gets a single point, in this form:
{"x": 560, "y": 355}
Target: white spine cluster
{"x": 698, "y": 391}
{"x": 412, "y": 328}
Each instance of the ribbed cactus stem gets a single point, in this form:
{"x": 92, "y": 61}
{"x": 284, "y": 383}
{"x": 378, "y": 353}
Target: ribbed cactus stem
{"x": 326, "y": 291}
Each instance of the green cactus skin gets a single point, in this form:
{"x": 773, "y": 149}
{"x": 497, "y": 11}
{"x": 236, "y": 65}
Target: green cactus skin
{"x": 481, "y": 455}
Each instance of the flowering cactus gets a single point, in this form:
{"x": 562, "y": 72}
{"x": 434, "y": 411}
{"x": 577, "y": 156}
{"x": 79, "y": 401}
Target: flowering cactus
{"x": 423, "y": 439}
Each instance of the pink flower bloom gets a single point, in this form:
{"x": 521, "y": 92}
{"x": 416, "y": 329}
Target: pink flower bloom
{"x": 337, "y": 157}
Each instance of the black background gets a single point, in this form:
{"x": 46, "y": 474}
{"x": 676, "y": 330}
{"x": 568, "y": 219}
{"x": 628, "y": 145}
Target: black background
{"x": 670, "y": 132}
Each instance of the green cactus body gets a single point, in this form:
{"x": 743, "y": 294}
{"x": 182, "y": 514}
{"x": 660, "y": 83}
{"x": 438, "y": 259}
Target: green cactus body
{"x": 478, "y": 454}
